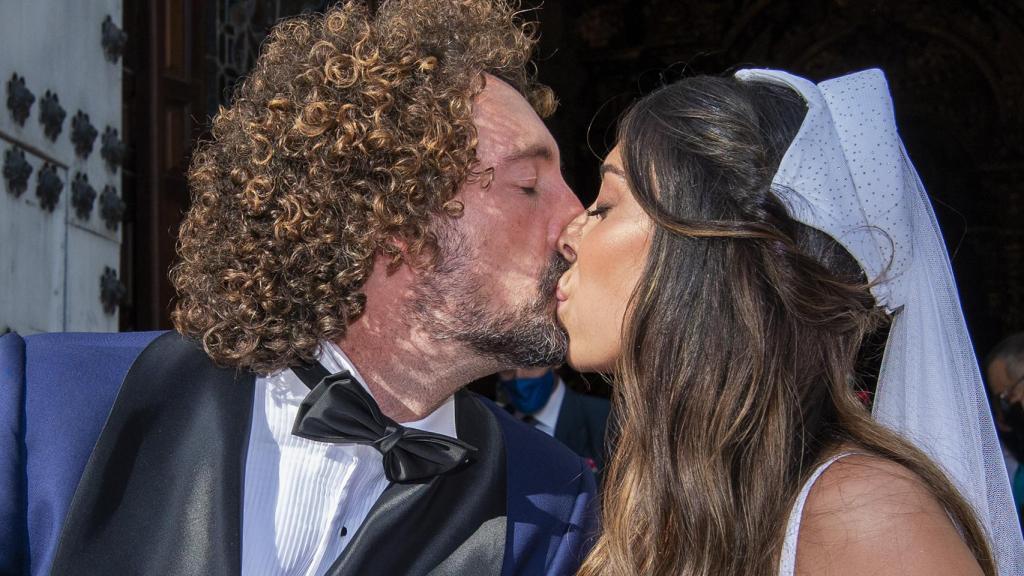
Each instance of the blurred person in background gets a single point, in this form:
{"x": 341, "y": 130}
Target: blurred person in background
{"x": 1004, "y": 371}
{"x": 541, "y": 398}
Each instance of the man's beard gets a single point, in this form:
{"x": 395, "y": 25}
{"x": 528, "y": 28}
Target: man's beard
{"x": 450, "y": 301}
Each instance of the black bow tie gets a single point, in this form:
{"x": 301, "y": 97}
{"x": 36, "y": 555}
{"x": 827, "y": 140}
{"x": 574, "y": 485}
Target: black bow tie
{"x": 339, "y": 410}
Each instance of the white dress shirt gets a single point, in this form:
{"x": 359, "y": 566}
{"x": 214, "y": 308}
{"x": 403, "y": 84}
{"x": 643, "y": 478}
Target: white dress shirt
{"x": 546, "y": 418}
{"x": 304, "y": 500}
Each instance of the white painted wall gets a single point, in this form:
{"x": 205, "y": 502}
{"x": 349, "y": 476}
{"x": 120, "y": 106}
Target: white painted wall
{"x": 51, "y": 263}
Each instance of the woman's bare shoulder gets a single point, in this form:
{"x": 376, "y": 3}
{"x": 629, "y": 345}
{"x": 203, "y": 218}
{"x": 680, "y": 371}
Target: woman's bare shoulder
{"x": 869, "y": 515}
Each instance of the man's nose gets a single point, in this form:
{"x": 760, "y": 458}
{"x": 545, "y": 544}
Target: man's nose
{"x": 569, "y": 239}
{"x": 566, "y": 209}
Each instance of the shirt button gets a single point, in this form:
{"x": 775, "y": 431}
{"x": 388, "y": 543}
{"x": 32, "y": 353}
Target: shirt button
{"x": 344, "y": 531}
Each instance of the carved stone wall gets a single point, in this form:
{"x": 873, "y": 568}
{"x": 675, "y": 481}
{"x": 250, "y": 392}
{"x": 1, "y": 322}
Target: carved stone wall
{"x": 61, "y": 154}
{"x": 956, "y": 73}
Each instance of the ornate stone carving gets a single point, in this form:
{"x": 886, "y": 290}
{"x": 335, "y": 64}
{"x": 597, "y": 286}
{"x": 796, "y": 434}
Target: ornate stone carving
{"x": 83, "y": 134}
{"x": 48, "y": 187}
{"x": 111, "y": 208}
{"x": 113, "y": 40}
{"x": 19, "y": 99}
{"x": 112, "y": 148}
{"x": 16, "y": 171}
{"x": 83, "y": 195}
{"x": 51, "y": 115}
{"x": 112, "y": 291}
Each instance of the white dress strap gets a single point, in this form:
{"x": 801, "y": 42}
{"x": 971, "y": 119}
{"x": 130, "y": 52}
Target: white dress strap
{"x": 787, "y": 560}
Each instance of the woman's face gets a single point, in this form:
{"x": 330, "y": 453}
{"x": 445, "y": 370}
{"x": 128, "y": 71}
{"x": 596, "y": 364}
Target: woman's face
{"x": 607, "y": 246}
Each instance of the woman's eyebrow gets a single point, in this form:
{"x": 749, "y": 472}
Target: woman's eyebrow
{"x": 605, "y": 168}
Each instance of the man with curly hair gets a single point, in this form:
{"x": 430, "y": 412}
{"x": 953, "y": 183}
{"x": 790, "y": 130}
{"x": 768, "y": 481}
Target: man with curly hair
{"x": 374, "y": 224}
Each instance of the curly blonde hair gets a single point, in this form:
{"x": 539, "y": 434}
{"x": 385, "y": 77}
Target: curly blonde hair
{"x": 354, "y": 129}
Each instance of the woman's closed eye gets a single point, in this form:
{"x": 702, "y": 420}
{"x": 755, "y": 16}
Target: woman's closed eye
{"x": 598, "y": 211}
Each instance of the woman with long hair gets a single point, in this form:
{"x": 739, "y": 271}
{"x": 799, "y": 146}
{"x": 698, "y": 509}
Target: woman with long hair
{"x": 750, "y": 235}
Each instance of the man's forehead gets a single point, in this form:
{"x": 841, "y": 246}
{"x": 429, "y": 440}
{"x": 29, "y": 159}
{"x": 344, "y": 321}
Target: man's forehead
{"x": 507, "y": 126}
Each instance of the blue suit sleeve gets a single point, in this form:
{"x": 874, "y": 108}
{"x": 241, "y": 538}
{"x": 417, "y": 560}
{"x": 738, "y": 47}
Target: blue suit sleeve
{"x": 13, "y": 521}
{"x": 582, "y": 529}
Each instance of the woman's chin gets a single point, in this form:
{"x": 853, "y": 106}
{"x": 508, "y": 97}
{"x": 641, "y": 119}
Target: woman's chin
{"x": 572, "y": 358}
{"x": 582, "y": 363}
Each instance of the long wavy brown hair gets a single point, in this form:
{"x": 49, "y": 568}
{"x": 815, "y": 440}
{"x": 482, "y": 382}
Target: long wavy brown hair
{"x": 353, "y": 130}
{"x": 740, "y": 348}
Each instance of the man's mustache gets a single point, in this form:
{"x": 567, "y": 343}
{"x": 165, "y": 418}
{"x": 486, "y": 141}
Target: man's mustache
{"x": 557, "y": 265}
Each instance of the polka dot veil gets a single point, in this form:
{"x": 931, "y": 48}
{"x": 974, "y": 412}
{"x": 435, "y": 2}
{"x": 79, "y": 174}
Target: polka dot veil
{"x": 847, "y": 174}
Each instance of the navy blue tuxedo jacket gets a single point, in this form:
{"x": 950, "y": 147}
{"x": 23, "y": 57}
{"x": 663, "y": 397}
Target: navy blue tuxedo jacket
{"x": 95, "y": 473}
{"x": 582, "y": 426}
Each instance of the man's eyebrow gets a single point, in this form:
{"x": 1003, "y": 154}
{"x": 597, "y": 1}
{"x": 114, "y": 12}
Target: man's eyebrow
{"x": 606, "y": 168}
{"x": 536, "y": 151}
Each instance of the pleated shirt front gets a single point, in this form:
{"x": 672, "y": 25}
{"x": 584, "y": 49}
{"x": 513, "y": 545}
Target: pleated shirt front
{"x": 304, "y": 500}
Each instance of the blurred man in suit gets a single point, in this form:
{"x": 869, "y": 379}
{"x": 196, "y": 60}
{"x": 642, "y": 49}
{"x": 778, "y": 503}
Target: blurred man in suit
{"x": 541, "y": 398}
{"x": 1004, "y": 376}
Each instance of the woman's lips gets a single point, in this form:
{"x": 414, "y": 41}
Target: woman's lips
{"x": 561, "y": 294}
{"x": 560, "y": 298}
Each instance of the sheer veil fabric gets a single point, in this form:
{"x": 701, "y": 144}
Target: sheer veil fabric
{"x": 847, "y": 174}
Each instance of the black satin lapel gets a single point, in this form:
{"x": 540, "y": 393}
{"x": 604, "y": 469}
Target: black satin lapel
{"x": 453, "y": 524}
{"x": 162, "y": 492}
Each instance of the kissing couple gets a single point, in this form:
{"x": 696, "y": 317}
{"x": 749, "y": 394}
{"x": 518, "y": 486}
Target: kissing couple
{"x": 379, "y": 217}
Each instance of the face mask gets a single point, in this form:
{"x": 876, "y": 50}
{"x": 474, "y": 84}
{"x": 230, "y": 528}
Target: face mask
{"x": 529, "y": 395}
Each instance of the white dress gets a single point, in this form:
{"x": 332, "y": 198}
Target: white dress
{"x": 787, "y": 561}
